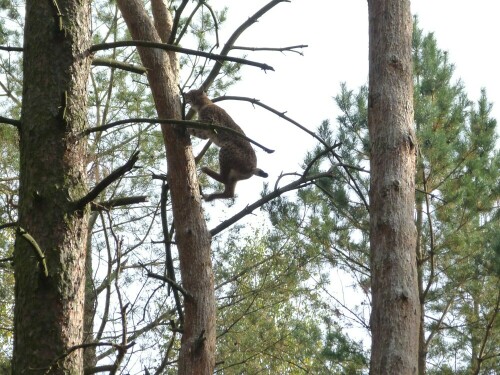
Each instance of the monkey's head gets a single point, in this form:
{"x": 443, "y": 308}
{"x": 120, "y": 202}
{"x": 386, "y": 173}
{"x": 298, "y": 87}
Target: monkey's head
{"x": 196, "y": 98}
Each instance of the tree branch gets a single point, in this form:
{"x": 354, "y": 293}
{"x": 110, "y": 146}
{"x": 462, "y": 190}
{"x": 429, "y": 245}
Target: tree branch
{"x": 113, "y": 176}
{"x": 277, "y": 49}
{"x": 177, "y": 18}
{"x": 98, "y": 61}
{"x": 83, "y": 346}
{"x": 117, "y": 202}
{"x": 38, "y": 251}
{"x": 282, "y": 115}
{"x": 232, "y": 39}
{"x": 173, "y": 48}
{"x": 11, "y": 49}
{"x": 297, "y": 184}
{"x": 170, "y": 282}
{"x": 185, "y": 123}
{"x": 304, "y": 180}
{"x": 10, "y": 121}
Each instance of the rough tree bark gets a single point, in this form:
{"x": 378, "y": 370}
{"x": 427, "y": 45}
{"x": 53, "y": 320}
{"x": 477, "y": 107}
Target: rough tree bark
{"x": 197, "y": 354}
{"x": 395, "y": 306}
{"x": 49, "y": 309}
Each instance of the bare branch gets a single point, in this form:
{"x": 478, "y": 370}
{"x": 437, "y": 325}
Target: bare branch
{"x": 113, "y": 176}
{"x": 277, "y": 49}
{"x": 10, "y": 121}
{"x": 232, "y": 39}
{"x": 173, "y": 48}
{"x": 8, "y": 225}
{"x": 170, "y": 282}
{"x": 11, "y": 49}
{"x": 117, "y": 202}
{"x": 283, "y": 116}
{"x": 297, "y": 184}
{"x": 38, "y": 251}
{"x": 177, "y": 18}
{"x": 185, "y": 123}
{"x": 187, "y": 23}
{"x": 119, "y": 65}
{"x": 83, "y": 346}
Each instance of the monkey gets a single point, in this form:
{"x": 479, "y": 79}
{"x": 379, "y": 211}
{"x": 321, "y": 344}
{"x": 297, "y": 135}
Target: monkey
{"x": 237, "y": 159}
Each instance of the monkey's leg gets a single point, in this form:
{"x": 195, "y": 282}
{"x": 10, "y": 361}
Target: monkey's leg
{"x": 229, "y": 185}
{"x": 216, "y": 176}
{"x": 226, "y": 194}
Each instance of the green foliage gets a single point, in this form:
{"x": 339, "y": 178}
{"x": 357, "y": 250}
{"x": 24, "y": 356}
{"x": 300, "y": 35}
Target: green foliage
{"x": 271, "y": 315}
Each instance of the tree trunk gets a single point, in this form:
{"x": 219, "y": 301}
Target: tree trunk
{"x": 395, "y": 300}
{"x": 48, "y": 314}
{"x": 197, "y": 354}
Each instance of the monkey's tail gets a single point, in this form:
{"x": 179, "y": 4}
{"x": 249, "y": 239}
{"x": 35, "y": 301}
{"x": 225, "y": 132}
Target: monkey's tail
{"x": 259, "y": 172}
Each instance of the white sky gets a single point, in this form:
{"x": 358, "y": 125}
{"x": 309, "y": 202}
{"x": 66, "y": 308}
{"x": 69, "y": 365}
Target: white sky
{"x": 337, "y": 34}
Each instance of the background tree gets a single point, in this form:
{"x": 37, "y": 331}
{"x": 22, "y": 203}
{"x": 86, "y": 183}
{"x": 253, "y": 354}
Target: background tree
{"x": 395, "y": 307}
{"x": 456, "y": 238}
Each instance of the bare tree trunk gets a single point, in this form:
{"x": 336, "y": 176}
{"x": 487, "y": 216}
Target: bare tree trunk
{"x": 49, "y": 308}
{"x": 197, "y": 354}
{"x": 395, "y": 316}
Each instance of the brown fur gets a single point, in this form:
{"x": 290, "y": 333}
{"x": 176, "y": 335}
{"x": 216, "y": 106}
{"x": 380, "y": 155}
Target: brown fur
{"x": 237, "y": 160}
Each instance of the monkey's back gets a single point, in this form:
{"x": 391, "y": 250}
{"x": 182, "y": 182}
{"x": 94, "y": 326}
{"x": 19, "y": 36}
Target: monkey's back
{"x": 214, "y": 114}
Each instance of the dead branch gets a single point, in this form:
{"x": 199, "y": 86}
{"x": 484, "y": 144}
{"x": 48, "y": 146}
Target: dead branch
{"x": 186, "y": 123}
{"x": 117, "y": 202}
{"x": 350, "y": 179}
{"x": 276, "y": 49}
{"x": 302, "y": 181}
{"x": 236, "y": 34}
{"x": 112, "y": 177}
{"x": 98, "y": 61}
{"x": 11, "y": 49}
{"x": 10, "y": 121}
{"x": 173, "y": 48}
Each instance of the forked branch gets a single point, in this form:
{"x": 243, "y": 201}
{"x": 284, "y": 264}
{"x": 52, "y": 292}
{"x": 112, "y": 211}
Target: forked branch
{"x": 302, "y": 181}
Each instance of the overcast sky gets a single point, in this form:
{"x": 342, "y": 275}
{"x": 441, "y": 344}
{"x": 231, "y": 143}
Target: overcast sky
{"x": 336, "y": 32}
